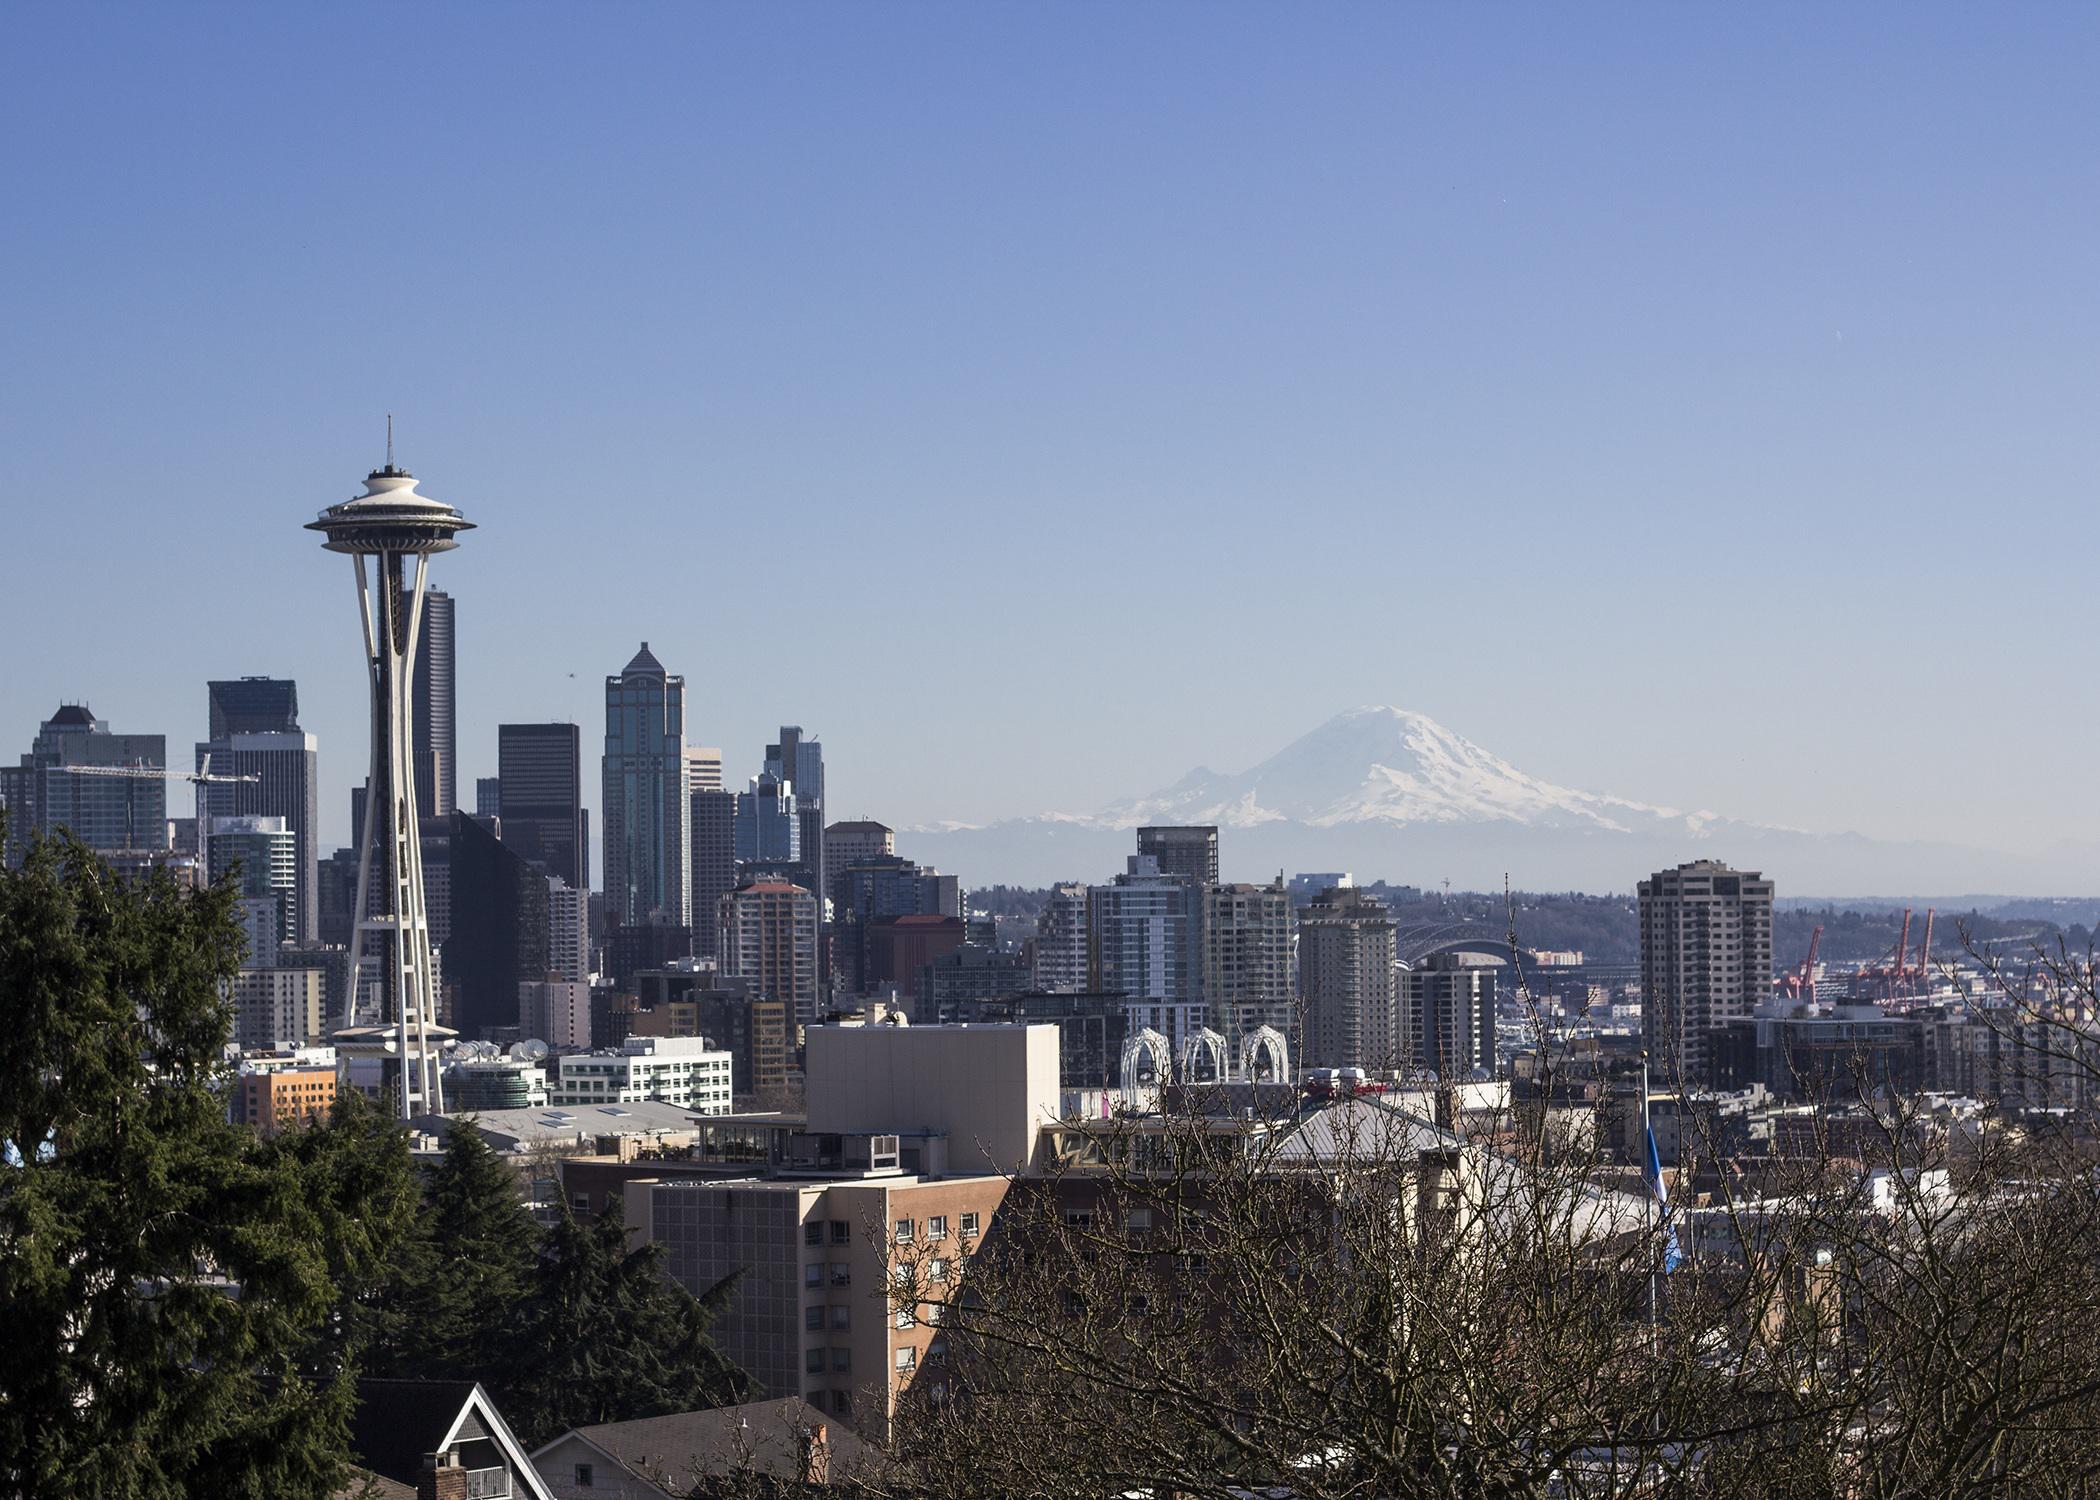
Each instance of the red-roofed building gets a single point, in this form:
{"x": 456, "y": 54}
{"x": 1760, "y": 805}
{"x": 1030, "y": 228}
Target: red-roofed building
{"x": 899, "y": 947}
{"x": 768, "y": 935}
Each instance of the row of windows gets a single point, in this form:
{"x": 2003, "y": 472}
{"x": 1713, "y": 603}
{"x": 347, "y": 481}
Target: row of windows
{"x": 906, "y": 1230}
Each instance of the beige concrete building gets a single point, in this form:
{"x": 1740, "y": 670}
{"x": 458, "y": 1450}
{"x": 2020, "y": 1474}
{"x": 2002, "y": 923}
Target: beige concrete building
{"x": 276, "y": 1007}
{"x": 989, "y": 1090}
{"x": 1706, "y": 959}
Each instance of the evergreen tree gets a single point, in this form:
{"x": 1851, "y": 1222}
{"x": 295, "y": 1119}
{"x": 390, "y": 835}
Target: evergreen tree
{"x": 365, "y": 1190}
{"x": 607, "y": 1336}
{"x": 471, "y": 1269}
{"x": 158, "y": 1264}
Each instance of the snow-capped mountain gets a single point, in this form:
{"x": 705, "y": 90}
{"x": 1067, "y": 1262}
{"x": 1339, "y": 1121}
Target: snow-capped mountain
{"x": 1390, "y": 794}
{"x": 1387, "y": 765}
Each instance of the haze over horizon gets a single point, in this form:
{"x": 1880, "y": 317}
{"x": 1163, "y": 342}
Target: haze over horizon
{"x": 1686, "y": 406}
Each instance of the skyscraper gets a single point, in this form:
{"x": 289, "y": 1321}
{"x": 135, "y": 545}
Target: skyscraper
{"x": 539, "y": 772}
{"x": 252, "y": 705}
{"x": 703, "y": 768}
{"x": 1347, "y": 947}
{"x": 768, "y": 830}
{"x": 436, "y": 711}
{"x": 769, "y": 936}
{"x": 1249, "y": 979}
{"x": 112, "y": 814}
{"x": 800, "y": 762}
{"x": 849, "y": 844}
{"x": 1142, "y": 939}
{"x": 488, "y": 796}
{"x": 502, "y": 928}
{"x": 1447, "y": 1015}
{"x": 714, "y": 862}
{"x": 647, "y": 812}
{"x": 397, "y": 530}
{"x": 1060, "y": 941}
{"x": 266, "y": 853}
{"x": 1706, "y": 959}
{"x": 254, "y": 723}
{"x": 1190, "y": 852}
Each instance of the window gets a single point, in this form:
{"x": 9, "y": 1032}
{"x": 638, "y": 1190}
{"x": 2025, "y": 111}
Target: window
{"x": 904, "y": 1231}
{"x": 937, "y": 1227}
{"x": 936, "y": 1269}
{"x": 812, "y": 1274}
{"x": 583, "y": 1476}
{"x": 904, "y": 1317}
{"x": 813, "y": 1318}
{"x": 907, "y": 1358}
{"x": 813, "y": 1232}
{"x": 841, "y": 1232}
{"x": 580, "y": 1203}
{"x": 813, "y": 1361}
{"x": 841, "y": 1274}
{"x": 841, "y": 1404}
{"x": 841, "y": 1359}
{"x": 969, "y": 1223}
{"x": 1137, "y": 1220}
{"x": 841, "y": 1316}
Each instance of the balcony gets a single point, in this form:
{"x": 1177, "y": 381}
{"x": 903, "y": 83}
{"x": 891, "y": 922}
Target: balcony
{"x": 488, "y": 1484}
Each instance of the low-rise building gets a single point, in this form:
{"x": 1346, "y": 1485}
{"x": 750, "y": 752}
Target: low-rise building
{"x": 686, "y": 1071}
{"x": 275, "y": 1089}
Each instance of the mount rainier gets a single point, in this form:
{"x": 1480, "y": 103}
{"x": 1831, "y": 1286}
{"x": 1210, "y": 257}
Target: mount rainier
{"x": 1386, "y": 793}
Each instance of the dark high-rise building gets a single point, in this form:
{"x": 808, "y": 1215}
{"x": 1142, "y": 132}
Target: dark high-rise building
{"x": 255, "y": 731}
{"x": 800, "y": 762}
{"x": 768, "y": 831}
{"x": 1091, "y": 1028}
{"x": 849, "y": 844}
{"x": 1346, "y": 974}
{"x": 1447, "y": 1015}
{"x": 646, "y": 812}
{"x": 714, "y": 862}
{"x": 500, "y": 928}
{"x": 966, "y": 975}
{"x": 488, "y": 797}
{"x": 336, "y": 899}
{"x": 539, "y": 768}
{"x": 253, "y": 705}
{"x": 877, "y": 889}
{"x": 436, "y": 743}
{"x": 1190, "y": 852}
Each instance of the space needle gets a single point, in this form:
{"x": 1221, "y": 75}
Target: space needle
{"x": 398, "y": 530}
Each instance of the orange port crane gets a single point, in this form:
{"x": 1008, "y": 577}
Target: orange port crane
{"x": 1800, "y": 983}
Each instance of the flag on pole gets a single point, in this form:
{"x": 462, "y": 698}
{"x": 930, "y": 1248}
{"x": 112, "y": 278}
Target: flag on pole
{"x": 1660, "y": 1192}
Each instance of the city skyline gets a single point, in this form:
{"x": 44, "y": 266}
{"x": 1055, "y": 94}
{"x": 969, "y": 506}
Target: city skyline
{"x": 1143, "y": 315}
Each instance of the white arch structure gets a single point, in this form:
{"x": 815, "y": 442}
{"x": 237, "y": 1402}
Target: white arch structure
{"x": 1147, "y": 1047}
{"x": 1264, "y": 1051}
{"x": 1203, "y": 1057}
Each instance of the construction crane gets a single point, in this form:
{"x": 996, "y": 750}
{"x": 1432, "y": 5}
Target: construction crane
{"x": 198, "y": 779}
{"x": 1800, "y": 983}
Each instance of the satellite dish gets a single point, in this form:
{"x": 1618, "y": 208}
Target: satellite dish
{"x": 516, "y": 1052}
{"x": 535, "y": 1050}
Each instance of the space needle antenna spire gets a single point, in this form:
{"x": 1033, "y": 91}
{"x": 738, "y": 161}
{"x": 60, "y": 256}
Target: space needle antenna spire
{"x": 390, "y": 1013}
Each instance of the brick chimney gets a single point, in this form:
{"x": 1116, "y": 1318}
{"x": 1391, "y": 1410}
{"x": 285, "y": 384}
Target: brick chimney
{"x": 816, "y": 1455}
{"x": 442, "y": 1478}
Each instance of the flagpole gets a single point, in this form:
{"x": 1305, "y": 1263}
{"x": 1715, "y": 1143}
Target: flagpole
{"x": 1654, "y": 1200}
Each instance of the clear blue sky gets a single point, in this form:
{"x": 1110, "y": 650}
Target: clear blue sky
{"x": 1691, "y": 402}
